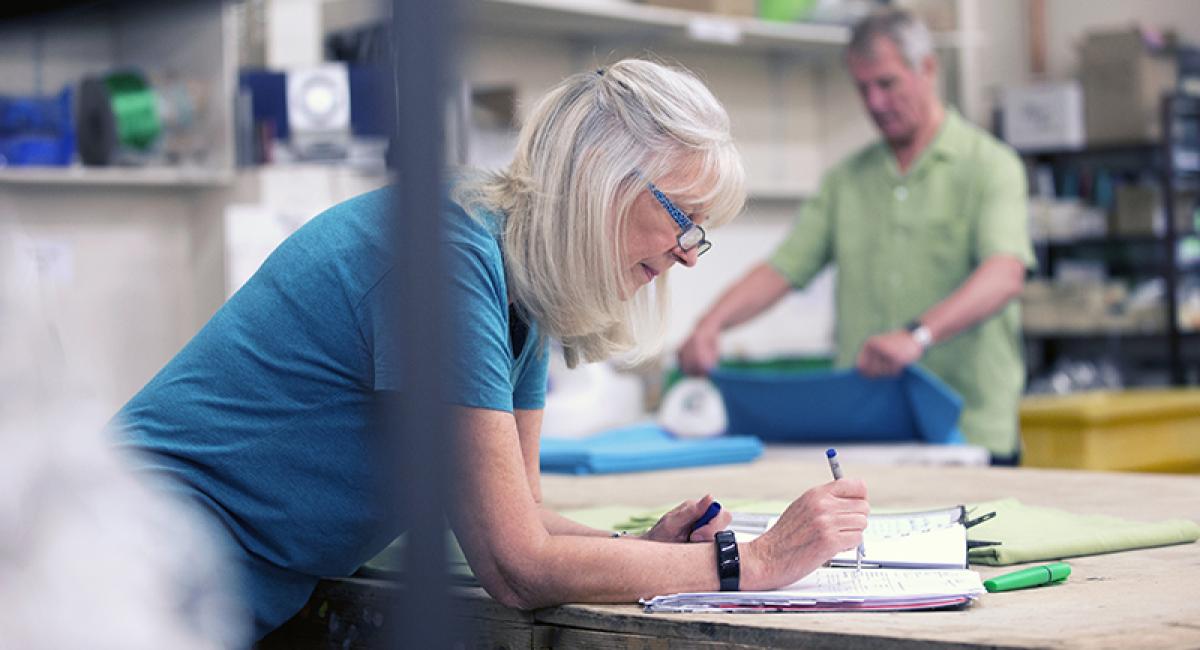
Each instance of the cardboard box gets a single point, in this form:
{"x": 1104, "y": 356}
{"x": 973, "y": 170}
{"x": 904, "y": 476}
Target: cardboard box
{"x": 1138, "y": 211}
{"x": 1123, "y": 83}
{"x": 1044, "y": 117}
{"x": 747, "y": 8}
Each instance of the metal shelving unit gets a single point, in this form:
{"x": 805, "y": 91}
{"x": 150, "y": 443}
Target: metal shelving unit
{"x": 1175, "y": 162}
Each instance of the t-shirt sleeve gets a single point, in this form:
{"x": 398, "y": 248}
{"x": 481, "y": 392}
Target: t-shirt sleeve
{"x": 1003, "y": 219}
{"x": 478, "y": 364}
{"x": 380, "y": 343}
{"x": 530, "y": 391}
{"x": 806, "y": 249}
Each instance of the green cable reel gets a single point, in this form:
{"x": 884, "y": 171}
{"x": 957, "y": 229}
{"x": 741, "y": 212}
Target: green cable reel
{"x": 116, "y": 111}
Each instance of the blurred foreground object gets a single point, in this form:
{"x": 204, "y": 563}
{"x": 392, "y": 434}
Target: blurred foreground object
{"x": 89, "y": 558}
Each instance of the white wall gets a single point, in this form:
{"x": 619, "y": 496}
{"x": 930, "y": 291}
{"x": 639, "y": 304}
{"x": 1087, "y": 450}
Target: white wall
{"x": 120, "y": 287}
{"x": 993, "y": 52}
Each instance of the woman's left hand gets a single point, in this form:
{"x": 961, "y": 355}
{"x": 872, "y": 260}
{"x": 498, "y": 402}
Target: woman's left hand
{"x": 676, "y": 525}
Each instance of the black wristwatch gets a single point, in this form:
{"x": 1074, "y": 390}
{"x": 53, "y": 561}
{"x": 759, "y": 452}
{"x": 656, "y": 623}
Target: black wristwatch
{"x": 729, "y": 564}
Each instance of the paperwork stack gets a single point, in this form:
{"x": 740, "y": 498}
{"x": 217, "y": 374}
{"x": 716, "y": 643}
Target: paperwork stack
{"x": 839, "y": 590}
{"x": 913, "y": 560}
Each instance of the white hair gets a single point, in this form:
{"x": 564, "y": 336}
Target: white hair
{"x": 905, "y": 30}
{"x": 582, "y": 159}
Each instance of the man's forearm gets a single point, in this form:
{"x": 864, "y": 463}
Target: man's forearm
{"x": 997, "y": 281}
{"x": 761, "y": 288}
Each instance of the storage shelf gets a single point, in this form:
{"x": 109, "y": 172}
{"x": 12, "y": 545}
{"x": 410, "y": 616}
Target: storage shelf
{"x": 1102, "y": 242}
{"x": 1143, "y": 148}
{"x": 1100, "y": 335}
{"x": 618, "y": 20}
{"x": 116, "y": 176}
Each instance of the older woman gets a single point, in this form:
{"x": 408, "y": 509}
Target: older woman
{"x": 266, "y": 418}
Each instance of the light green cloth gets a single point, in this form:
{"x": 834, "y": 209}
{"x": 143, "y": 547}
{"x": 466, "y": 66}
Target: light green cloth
{"x": 903, "y": 243}
{"x": 1033, "y": 534}
{"x": 636, "y": 521}
{"x": 1027, "y": 533}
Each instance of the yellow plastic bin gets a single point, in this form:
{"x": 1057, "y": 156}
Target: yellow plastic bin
{"x": 1134, "y": 430}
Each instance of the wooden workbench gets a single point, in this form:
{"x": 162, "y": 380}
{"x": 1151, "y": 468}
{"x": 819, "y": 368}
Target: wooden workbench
{"x": 1147, "y": 598}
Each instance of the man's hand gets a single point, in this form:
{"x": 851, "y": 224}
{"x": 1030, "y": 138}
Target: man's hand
{"x": 888, "y": 354}
{"x": 699, "y": 354}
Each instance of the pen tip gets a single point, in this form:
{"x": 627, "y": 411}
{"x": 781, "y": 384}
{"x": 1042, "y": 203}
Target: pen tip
{"x": 830, "y": 453}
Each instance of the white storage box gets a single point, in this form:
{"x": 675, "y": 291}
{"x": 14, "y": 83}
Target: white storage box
{"x": 1044, "y": 116}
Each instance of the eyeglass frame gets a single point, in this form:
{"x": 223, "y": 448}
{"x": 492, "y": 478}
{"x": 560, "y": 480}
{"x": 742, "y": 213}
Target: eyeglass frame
{"x": 686, "y": 225}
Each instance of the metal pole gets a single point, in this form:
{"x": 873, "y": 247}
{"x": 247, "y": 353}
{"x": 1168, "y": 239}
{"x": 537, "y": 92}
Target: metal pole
{"x": 1171, "y": 270}
{"x": 422, "y": 35}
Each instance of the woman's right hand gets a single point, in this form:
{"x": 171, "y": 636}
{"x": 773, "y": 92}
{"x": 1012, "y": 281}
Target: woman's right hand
{"x": 823, "y": 522}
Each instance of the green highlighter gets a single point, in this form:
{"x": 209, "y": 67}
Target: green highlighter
{"x": 1032, "y": 577}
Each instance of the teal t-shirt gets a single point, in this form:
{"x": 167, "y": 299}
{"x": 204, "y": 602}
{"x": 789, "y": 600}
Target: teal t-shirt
{"x": 267, "y": 419}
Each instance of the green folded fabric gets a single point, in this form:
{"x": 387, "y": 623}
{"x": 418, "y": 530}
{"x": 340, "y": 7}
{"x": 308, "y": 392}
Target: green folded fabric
{"x": 1033, "y": 534}
{"x": 1026, "y": 533}
{"x": 636, "y": 521}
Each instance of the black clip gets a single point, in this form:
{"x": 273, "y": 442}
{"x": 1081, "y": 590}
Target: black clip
{"x": 980, "y": 519}
{"x": 980, "y": 543}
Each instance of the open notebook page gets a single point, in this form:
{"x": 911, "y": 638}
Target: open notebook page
{"x": 927, "y": 539}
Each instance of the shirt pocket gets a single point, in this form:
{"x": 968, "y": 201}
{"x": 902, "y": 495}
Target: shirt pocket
{"x": 945, "y": 238}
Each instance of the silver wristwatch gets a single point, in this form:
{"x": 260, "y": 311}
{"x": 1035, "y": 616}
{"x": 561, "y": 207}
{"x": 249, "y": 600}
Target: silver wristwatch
{"x": 920, "y": 334}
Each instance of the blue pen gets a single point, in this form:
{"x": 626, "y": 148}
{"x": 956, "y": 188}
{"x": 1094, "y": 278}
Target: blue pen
{"x": 836, "y": 468}
{"x": 713, "y": 509}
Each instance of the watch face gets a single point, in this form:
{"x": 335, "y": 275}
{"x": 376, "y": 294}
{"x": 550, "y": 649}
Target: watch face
{"x": 922, "y": 336}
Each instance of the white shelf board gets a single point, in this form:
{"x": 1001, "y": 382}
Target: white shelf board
{"x": 620, "y": 20}
{"x": 115, "y": 176}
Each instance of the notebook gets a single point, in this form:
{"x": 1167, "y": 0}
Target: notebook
{"x": 913, "y": 560}
{"x": 928, "y": 539}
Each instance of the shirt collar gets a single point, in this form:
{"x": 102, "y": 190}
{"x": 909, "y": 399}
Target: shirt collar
{"x": 949, "y": 139}
{"x": 946, "y": 145}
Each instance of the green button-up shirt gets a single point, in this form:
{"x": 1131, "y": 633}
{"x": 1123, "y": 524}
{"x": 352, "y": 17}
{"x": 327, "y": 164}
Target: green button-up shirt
{"x": 904, "y": 242}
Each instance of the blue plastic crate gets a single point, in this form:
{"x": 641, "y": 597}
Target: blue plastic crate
{"x": 840, "y": 406}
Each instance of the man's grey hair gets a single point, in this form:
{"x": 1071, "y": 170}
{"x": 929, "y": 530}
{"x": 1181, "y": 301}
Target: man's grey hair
{"x": 908, "y": 32}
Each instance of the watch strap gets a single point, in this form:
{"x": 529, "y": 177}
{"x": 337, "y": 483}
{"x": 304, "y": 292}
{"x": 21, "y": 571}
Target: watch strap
{"x": 729, "y": 567}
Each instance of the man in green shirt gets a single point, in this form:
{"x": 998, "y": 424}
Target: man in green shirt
{"x": 927, "y": 228}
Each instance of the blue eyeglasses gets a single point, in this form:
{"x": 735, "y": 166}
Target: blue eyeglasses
{"x": 690, "y": 235}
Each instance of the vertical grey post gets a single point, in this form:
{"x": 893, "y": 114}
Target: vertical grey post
{"x": 1169, "y": 108}
{"x": 422, "y": 33}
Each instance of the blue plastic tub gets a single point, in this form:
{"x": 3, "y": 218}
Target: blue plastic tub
{"x": 840, "y": 405}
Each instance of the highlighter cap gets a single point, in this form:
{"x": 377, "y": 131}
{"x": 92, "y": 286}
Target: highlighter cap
{"x": 1058, "y": 571}
{"x": 1031, "y": 577}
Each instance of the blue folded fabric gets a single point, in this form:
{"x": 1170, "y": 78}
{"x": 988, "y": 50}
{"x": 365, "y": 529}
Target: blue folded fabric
{"x": 841, "y": 405}
{"x": 642, "y": 447}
